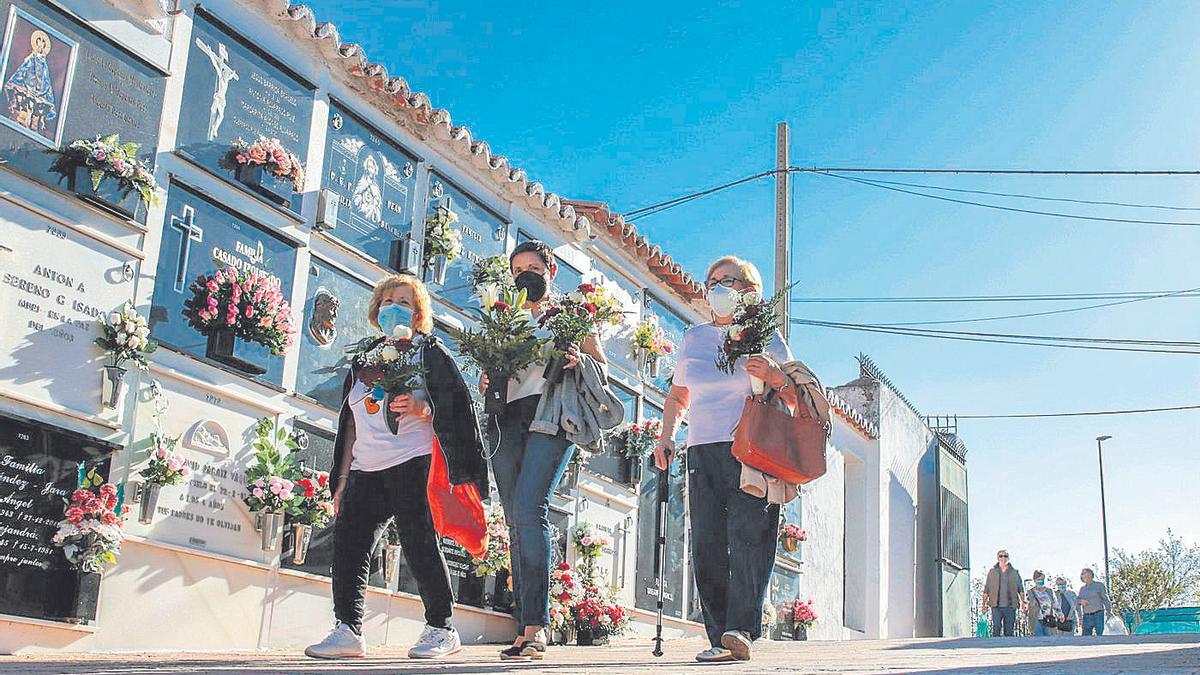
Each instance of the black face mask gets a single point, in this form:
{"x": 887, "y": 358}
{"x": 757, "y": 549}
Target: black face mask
{"x": 533, "y": 284}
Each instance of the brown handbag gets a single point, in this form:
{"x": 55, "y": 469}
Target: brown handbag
{"x": 788, "y": 447}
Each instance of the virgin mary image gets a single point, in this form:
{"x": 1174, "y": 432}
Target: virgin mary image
{"x": 30, "y": 90}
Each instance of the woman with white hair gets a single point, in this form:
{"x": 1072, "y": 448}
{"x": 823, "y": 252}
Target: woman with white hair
{"x": 733, "y": 533}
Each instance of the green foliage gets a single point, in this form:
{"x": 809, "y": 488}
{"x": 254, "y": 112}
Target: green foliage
{"x": 504, "y": 342}
{"x": 754, "y": 324}
{"x": 1166, "y": 576}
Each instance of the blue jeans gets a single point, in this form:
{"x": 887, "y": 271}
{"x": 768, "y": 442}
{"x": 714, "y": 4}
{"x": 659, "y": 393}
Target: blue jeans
{"x": 734, "y": 537}
{"x": 1042, "y": 630}
{"x": 528, "y": 466}
{"x": 1004, "y": 620}
{"x": 1093, "y": 624}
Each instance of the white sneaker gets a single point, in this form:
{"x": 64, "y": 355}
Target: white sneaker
{"x": 436, "y": 643}
{"x": 341, "y": 643}
{"x": 714, "y": 654}
{"x": 738, "y": 643}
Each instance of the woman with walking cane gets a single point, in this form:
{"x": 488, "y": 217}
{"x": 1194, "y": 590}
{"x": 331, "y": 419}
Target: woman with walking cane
{"x": 529, "y": 463}
{"x": 414, "y": 453}
{"x": 734, "y": 528}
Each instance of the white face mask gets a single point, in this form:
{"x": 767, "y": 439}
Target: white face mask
{"x": 723, "y": 300}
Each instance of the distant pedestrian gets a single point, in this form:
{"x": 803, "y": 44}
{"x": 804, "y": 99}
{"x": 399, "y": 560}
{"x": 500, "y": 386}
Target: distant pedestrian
{"x": 1002, "y": 593}
{"x": 1044, "y": 613}
{"x": 1093, "y": 603}
{"x": 1068, "y": 601}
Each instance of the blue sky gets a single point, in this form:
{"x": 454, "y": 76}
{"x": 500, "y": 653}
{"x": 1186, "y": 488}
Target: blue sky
{"x": 634, "y": 103}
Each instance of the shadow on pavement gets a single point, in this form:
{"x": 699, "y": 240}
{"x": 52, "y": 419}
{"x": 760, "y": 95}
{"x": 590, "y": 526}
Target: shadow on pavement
{"x": 1164, "y": 662}
{"x": 1034, "y": 642}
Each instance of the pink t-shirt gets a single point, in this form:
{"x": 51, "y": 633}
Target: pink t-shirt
{"x": 716, "y": 398}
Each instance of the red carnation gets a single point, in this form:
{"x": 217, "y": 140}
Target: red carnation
{"x": 589, "y": 307}
{"x": 502, "y": 306}
{"x": 563, "y": 566}
{"x": 587, "y": 288}
{"x": 322, "y": 479}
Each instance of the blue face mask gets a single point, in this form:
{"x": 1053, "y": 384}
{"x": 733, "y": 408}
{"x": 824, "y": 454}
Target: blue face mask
{"x": 1040, "y": 582}
{"x": 394, "y": 315}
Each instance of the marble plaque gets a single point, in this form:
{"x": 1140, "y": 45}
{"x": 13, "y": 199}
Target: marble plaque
{"x": 483, "y": 235}
{"x": 232, "y": 91}
{"x": 61, "y": 83}
{"x": 316, "y": 452}
{"x": 200, "y": 237}
{"x": 374, "y": 180}
{"x": 335, "y": 317}
{"x": 674, "y": 326}
{"x": 54, "y": 285}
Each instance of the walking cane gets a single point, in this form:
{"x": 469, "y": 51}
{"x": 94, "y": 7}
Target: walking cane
{"x": 660, "y": 547}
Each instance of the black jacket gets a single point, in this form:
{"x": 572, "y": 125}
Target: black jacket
{"x": 454, "y": 421}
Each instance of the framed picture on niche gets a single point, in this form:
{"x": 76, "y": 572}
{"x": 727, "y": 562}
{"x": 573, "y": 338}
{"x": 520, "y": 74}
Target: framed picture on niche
{"x": 38, "y": 64}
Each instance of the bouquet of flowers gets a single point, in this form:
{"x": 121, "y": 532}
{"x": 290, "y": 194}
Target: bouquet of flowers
{"x": 249, "y": 303}
{"x": 315, "y": 506}
{"x": 496, "y": 557}
{"x": 800, "y": 613}
{"x": 650, "y": 340}
{"x": 565, "y": 591}
{"x": 754, "y": 324}
{"x": 270, "y": 486}
{"x": 638, "y": 439}
{"x": 126, "y": 337}
{"x": 494, "y": 272}
{"x": 790, "y": 536}
{"x": 166, "y": 466}
{"x": 268, "y": 153}
{"x": 389, "y": 366}
{"x": 108, "y": 157}
{"x": 90, "y": 534}
{"x": 572, "y": 317}
{"x": 596, "y": 612}
{"x": 503, "y": 344}
{"x": 440, "y": 238}
{"x": 588, "y": 542}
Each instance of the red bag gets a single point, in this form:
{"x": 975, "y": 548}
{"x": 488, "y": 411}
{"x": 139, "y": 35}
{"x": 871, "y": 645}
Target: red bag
{"x": 788, "y": 447}
{"x": 457, "y": 509}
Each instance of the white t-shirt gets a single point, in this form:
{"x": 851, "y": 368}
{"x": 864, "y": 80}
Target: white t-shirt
{"x": 375, "y": 446}
{"x": 532, "y": 380}
{"x": 715, "y": 398}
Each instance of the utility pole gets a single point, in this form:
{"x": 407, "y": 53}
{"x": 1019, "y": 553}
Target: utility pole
{"x": 1103, "y": 509}
{"x": 783, "y": 222}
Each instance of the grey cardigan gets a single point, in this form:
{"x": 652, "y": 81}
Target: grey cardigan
{"x": 581, "y": 405}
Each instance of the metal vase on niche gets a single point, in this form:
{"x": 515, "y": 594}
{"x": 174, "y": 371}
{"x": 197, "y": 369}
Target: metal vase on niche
{"x": 391, "y": 564}
{"x": 652, "y": 368}
{"x": 146, "y": 508}
{"x": 258, "y": 521}
{"x": 301, "y": 538}
{"x": 439, "y": 265}
{"x": 112, "y": 386}
{"x": 271, "y": 522}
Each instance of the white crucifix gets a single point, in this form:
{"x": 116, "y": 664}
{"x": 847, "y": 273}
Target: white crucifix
{"x": 188, "y": 232}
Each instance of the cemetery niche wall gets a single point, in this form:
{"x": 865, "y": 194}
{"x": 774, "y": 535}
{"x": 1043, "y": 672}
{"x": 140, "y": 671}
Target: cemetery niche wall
{"x": 335, "y": 317}
{"x": 484, "y": 234}
{"x": 63, "y": 82}
{"x": 233, "y": 92}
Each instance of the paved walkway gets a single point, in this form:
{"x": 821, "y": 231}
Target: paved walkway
{"x": 1044, "y": 656}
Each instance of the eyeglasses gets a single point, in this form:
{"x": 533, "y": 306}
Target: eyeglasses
{"x": 727, "y": 282}
{"x": 1002, "y": 555}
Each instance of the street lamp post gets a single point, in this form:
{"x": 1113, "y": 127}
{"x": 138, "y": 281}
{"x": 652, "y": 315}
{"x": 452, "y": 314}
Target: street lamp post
{"x": 1103, "y": 511}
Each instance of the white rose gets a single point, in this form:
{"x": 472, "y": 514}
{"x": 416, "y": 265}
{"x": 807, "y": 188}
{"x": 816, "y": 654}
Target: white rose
{"x": 751, "y": 298}
{"x": 114, "y": 319}
{"x": 122, "y": 337}
{"x": 402, "y": 332}
{"x": 130, "y": 327}
{"x": 142, "y": 331}
{"x": 389, "y": 353}
{"x": 735, "y": 332}
{"x": 133, "y": 341}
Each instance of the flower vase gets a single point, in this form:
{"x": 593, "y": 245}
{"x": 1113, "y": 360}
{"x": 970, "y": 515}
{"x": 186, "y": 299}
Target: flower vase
{"x": 112, "y": 386}
{"x": 109, "y": 196}
{"x": 301, "y": 538}
{"x": 652, "y": 367}
{"x": 391, "y": 564}
{"x": 221, "y": 343}
{"x": 586, "y": 636}
{"x": 495, "y": 399}
{"x": 74, "y": 600}
{"x": 258, "y": 518}
{"x": 271, "y": 521}
{"x": 266, "y": 184}
{"x": 438, "y": 267}
{"x": 791, "y": 544}
{"x": 149, "y": 503}
{"x": 800, "y": 633}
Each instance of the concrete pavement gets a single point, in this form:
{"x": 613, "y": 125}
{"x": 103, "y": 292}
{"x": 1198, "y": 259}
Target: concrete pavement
{"x": 1043, "y": 656}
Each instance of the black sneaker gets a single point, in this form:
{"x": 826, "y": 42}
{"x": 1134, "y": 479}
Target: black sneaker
{"x": 516, "y": 653}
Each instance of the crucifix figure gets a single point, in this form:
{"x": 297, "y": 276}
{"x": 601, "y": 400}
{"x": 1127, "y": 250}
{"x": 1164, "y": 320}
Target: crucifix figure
{"x": 188, "y": 232}
{"x": 220, "y": 63}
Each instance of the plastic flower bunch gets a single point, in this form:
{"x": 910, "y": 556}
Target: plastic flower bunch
{"x": 791, "y": 531}
{"x": 90, "y": 533}
{"x": 270, "y": 154}
{"x": 598, "y": 612}
{"x": 492, "y": 271}
{"x": 315, "y": 504}
{"x": 649, "y": 338}
{"x": 166, "y": 466}
{"x": 565, "y": 591}
{"x": 250, "y": 302}
{"x": 800, "y": 613}
{"x": 638, "y": 439}
{"x": 126, "y": 337}
{"x": 440, "y": 237}
{"x": 496, "y": 557}
{"x": 108, "y": 157}
{"x": 588, "y": 542}
{"x": 269, "y": 480}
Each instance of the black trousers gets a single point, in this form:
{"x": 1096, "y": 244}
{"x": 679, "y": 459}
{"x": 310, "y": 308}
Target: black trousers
{"x": 734, "y": 537}
{"x": 371, "y": 498}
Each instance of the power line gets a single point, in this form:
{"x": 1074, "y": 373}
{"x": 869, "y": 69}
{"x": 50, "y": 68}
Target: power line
{"x": 1033, "y": 341}
{"x": 1032, "y": 314}
{"x": 1054, "y": 297}
{"x": 644, "y": 211}
{"x": 1091, "y": 413}
{"x": 1016, "y": 195}
{"x": 999, "y": 172}
{"x": 1011, "y": 209}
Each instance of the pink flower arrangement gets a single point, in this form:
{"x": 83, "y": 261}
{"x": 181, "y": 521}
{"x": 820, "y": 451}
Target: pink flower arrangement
{"x": 166, "y": 467}
{"x": 589, "y": 542}
{"x": 249, "y": 302}
{"x": 790, "y": 531}
{"x": 270, "y": 154}
{"x": 90, "y": 532}
{"x": 799, "y": 612}
{"x": 651, "y": 339}
{"x": 496, "y": 557}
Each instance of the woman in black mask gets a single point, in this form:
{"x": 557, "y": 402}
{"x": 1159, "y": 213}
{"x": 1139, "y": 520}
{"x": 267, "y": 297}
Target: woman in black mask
{"x": 528, "y": 465}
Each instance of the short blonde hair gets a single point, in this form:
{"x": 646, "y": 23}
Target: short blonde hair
{"x": 747, "y": 268}
{"x": 422, "y": 313}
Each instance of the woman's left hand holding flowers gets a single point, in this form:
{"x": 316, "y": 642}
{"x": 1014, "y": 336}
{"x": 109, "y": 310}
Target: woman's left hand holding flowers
{"x": 404, "y": 404}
